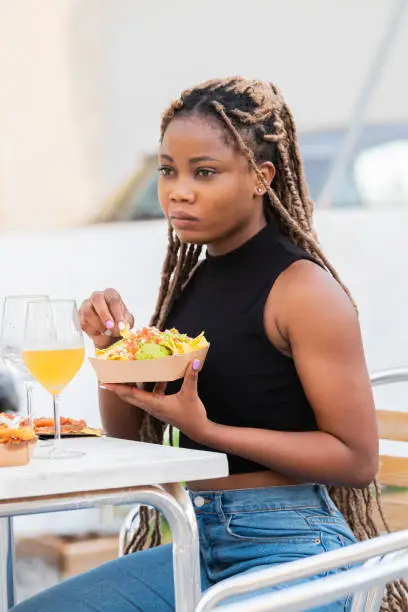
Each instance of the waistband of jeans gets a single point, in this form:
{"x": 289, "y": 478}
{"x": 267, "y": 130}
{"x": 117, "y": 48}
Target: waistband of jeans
{"x": 262, "y": 499}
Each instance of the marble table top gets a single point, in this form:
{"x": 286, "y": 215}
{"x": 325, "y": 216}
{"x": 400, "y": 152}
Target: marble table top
{"x": 108, "y": 463}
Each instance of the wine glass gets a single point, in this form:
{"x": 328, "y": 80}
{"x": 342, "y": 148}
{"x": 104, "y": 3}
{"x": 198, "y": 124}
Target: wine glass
{"x": 12, "y": 340}
{"x": 54, "y": 352}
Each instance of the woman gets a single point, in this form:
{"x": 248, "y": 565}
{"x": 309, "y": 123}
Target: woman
{"x": 284, "y": 390}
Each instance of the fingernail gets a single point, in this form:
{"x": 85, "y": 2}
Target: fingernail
{"x": 103, "y": 387}
{"x": 108, "y": 332}
{"x": 121, "y": 325}
{"x": 109, "y": 324}
{"x": 196, "y": 365}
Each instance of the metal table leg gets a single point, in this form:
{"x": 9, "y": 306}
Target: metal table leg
{"x": 175, "y": 504}
{"x": 7, "y": 599}
{"x": 11, "y": 586}
{"x": 172, "y": 500}
{"x": 186, "y": 561}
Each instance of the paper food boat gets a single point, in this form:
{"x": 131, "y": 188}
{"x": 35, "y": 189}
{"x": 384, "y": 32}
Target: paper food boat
{"x": 16, "y": 454}
{"x": 164, "y": 369}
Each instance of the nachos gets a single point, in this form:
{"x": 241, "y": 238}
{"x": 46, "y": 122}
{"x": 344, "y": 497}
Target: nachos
{"x": 151, "y": 343}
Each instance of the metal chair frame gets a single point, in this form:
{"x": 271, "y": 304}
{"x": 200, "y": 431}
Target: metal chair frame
{"x": 385, "y": 568}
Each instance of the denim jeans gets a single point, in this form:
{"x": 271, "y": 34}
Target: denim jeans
{"x": 240, "y": 531}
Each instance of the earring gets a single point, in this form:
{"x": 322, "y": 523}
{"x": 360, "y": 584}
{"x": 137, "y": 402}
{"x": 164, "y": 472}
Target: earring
{"x": 260, "y": 190}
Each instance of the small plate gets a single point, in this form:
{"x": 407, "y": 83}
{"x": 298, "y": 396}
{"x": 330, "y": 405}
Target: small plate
{"x": 88, "y": 433}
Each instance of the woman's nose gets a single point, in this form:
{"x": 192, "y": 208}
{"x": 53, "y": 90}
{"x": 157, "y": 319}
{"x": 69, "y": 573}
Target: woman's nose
{"x": 182, "y": 194}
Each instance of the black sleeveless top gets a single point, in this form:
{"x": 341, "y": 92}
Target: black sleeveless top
{"x": 245, "y": 380}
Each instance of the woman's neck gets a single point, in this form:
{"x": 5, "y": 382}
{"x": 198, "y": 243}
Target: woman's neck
{"x": 233, "y": 241}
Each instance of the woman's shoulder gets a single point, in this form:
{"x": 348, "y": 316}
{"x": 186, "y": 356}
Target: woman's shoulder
{"x": 306, "y": 280}
{"x": 307, "y": 296}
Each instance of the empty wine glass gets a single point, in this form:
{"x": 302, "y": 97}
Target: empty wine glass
{"x": 12, "y": 340}
{"x": 54, "y": 352}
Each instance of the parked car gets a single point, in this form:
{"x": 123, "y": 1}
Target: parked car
{"x": 376, "y": 174}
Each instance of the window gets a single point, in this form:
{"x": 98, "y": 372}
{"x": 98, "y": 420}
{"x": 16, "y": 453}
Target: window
{"x": 381, "y": 174}
{"x": 376, "y": 175}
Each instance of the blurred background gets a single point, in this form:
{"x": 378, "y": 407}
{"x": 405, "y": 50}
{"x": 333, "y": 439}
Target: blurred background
{"x": 83, "y": 88}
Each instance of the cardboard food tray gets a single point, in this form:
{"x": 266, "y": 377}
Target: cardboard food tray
{"x": 16, "y": 454}
{"x": 165, "y": 369}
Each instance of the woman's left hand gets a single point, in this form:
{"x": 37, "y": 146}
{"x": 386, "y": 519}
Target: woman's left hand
{"x": 183, "y": 410}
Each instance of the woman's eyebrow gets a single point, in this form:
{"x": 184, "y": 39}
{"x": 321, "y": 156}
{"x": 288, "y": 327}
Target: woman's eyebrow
{"x": 192, "y": 160}
{"x": 201, "y": 158}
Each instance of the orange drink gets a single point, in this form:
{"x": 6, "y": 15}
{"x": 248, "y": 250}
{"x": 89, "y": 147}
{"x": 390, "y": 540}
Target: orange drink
{"x": 54, "y": 368}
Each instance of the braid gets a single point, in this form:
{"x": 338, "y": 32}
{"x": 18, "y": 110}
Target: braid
{"x": 168, "y": 268}
{"x": 302, "y": 235}
{"x": 257, "y": 121}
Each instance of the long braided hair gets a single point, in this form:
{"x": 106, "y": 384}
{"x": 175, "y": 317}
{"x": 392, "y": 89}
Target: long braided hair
{"x": 257, "y": 122}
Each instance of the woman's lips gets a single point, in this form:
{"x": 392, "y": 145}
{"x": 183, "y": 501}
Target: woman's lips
{"x": 183, "y": 221}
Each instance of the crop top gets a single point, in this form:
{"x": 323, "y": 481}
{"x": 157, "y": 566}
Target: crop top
{"x": 245, "y": 381}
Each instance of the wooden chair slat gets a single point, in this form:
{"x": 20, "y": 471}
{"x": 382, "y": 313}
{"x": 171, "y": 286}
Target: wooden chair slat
{"x": 393, "y": 471}
{"x": 393, "y": 425}
{"x": 395, "y": 508}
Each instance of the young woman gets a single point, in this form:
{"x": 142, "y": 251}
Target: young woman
{"x": 284, "y": 390}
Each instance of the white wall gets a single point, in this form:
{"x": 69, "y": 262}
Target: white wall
{"x": 83, "y": 84}
{"x": 368, "y": 248}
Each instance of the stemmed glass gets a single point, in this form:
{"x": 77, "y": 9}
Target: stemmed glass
{"x": 12, "y": 340}
{"x": 54, "y": 352}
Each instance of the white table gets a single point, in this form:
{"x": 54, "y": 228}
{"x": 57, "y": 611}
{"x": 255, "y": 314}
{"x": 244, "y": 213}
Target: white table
{"x": 114, "y": 472}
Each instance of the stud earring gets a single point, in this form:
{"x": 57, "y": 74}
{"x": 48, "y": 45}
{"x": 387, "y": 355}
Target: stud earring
{"x": 260, "y": 190}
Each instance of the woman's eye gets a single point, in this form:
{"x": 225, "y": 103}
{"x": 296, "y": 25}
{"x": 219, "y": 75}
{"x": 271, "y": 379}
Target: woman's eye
{"x": 205, "y": 172}
{"x": 165, "y": 170}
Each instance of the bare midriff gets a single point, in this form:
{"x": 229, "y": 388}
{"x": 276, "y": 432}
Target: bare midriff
{"x": 252, "y": 480}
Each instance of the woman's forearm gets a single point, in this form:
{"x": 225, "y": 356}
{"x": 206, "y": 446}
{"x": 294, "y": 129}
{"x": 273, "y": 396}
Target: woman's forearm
{"x": 119, "y": 419}
{"x": 313, "y": 456}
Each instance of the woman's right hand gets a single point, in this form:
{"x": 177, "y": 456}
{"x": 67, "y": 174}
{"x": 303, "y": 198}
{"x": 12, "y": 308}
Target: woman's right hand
{"x": 103, "y": 316}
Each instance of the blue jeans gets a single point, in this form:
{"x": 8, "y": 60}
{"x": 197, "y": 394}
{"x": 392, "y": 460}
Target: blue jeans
{"x": 240, "y": 531}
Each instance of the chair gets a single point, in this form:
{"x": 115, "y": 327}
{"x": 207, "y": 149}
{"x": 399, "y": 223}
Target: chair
{"x": 376, "y": 572}
{"x": 373, "y": 575}
{"x": 386, "y": 560}
{"x": 393, "y": 471}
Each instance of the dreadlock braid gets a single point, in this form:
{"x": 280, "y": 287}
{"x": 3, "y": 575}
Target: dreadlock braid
{"x": 302, "y": 234}
{"x": 168, "y": 268}
{"x": 257, "y": 122}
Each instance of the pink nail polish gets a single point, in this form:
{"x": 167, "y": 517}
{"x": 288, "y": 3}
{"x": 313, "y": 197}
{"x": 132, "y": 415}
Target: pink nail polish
{"x": 109, "y": 324}
{"x": 196, "y": 365}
